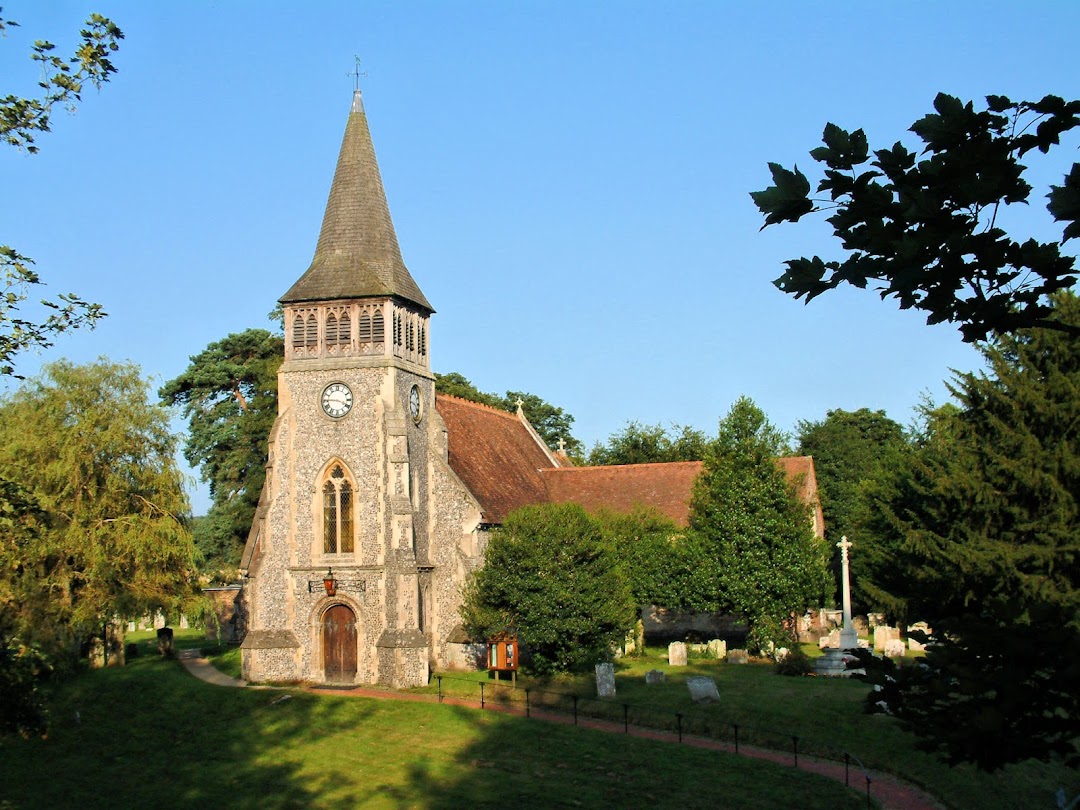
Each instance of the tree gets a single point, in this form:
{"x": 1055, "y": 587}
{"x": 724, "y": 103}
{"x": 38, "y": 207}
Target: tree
{"x": 229, "y": 397}
{"x": 638, "y": 443}
{"x": 549, "y": 575}
{"x": 95, "y": 461}
{"x": 655, "y": 557}
{"x": 848, "y": 448}
{"x": 929, "y": 231}
{"x": 980, "y": 529}
{"x": 551, "y": 422}
{"x": 763, "y": 560}
{"x": 21, "y": 119}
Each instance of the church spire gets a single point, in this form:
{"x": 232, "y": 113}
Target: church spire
{"x": 357, "y": 255}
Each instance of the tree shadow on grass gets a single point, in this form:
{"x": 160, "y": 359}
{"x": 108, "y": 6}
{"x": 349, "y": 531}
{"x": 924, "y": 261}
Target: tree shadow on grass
{"x": 150, "y": 735}
{"x": 515, "y": 761}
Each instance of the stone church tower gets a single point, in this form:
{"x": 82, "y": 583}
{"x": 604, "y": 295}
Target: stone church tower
{"x": 352, "y": 463}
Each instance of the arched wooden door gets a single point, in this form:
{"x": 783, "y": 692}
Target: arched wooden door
{"x": 339, "y": 644}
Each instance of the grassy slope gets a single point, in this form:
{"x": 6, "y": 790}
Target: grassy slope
{"x": 826, "y": 714}
{"x": 149, "y": 735}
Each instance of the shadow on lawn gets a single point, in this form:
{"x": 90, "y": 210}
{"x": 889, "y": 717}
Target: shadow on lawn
{"x": 150, "y": 735}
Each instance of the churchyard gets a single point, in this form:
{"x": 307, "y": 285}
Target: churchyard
{"x": 149, "y": 734}
{"x": 825, "y": 713}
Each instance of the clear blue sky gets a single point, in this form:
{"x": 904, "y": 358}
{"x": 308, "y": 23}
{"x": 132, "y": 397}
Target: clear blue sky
{"x": 569, "y": 180}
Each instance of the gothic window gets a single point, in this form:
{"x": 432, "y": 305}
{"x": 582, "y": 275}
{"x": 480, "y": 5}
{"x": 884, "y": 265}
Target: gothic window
{"x": 337, "y": 513}
{"x": 311, "y": 332}
{"x": 298, "y": 332}
{"x": 344, "y": 328}
{"x": 331, "y": 330}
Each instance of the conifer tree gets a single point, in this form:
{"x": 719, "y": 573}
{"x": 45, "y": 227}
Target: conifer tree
{"x": 982, "y": 543}
{"x": 762, "y": 560}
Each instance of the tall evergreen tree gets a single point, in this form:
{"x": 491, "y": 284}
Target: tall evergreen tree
{"x": 848, "y": 448}
{"x": 229, "y": 396}
{"x": 763, "y": 560}
{"x": 980, "y": 522}
{"x": 639, "y": 443}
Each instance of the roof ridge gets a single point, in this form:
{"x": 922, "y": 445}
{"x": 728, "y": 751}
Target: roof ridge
{"x": 627, "y": 466}
{"x": 475, "y": 404}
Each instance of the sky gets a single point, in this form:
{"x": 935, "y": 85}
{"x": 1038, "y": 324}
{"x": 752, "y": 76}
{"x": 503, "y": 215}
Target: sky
{"x": 569, "y": 183}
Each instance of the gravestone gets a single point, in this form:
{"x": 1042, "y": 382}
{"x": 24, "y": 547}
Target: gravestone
{"x": 605, "y": 680}
{"x": 165, "y": 642}
{"x": 131, "y": 651}
{"x": 861, "y": 625}
{"x": 738, "y": 657}
{"x": 883, "y": 634}
{"x": 895, "y": 648}
{"x": 915, "y": 646}
{"x": 676, "y": 654}
{"x": 718, "y": 649}
{"x": 703, "y": 690}
{"x": 654, "y": 676}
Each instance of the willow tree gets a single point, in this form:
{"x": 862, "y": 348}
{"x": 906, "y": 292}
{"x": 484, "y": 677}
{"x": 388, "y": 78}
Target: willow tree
{"x": 92, "y": 453}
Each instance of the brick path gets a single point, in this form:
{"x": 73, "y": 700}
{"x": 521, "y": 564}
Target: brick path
{"x": 892, "y": 793}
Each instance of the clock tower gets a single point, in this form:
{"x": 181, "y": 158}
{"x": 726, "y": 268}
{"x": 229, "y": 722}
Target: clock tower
{"x": 340, "y": 560}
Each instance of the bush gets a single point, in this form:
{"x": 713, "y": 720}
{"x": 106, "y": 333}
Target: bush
{"x": 796, "y": 662}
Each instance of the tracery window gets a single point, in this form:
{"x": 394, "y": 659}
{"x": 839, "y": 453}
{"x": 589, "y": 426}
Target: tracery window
{"x": 298, "y": 332}
{"x": 377, "y": 327}
{"x": 331, "y": 330}
{"x": 311, "y": 332}
{"x": 344, "y": 328}
{"x": 337, "y": 513}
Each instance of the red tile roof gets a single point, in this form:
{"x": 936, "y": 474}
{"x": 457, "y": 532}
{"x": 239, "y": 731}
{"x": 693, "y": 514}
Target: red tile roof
{"x": 505, "y": 465}
{"x": 494, "y": 454}
{"x": 621, "y": 488}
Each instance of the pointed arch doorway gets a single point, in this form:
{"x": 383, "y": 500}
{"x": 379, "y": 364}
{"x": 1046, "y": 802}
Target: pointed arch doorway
{"x": 339, "y": 644}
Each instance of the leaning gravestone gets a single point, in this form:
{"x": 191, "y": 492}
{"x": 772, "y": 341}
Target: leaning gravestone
{"x": 717, "y": 649}
{"x": 605, "y": 680}
{"x": 654, "y": 676}
{"x": 737, "y": 657}
{"x": 676, "y": 654}
{"x": 165, "y": 642}
{"x": 703, "y": 690}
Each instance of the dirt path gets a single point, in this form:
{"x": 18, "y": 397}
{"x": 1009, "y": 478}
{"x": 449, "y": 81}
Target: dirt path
{"x": 892, "y": 793}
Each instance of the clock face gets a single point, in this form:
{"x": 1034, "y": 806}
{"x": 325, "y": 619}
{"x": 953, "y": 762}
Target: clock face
{"x": 414, "y": 403}
{"x": 336, "y": 400}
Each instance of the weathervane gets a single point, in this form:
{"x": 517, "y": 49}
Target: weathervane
{"x": 357, "y": 74}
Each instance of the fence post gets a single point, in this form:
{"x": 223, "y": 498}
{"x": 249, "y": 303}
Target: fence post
{"x": 481, "y": 694}
{"x": 678, "y": 724}
{"x": 868, "y": 792}
{"x": 847, "y": 769}
{"x": 795, "y": 748}
{"x": 440, "y": 687}
{"x": 575, "y": 708}
{"x": 527, "y": 703}
{"x": 626, "y": 718}
{"x": 736, "y": 725}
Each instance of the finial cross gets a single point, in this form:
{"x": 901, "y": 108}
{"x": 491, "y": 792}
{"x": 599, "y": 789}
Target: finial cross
{"x": 357, "y": 74}
{"x": 519, "y": 403}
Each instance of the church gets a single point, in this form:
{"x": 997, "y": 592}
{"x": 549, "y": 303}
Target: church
{"x": 379, "y": 492}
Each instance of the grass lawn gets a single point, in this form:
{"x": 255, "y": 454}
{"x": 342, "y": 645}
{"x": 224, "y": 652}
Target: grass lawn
{"x": 826, "y": 714}
{"x": 150, "y": 735}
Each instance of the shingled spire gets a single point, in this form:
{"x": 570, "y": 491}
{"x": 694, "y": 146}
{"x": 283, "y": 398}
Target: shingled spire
{"x": 357, "y": 255}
